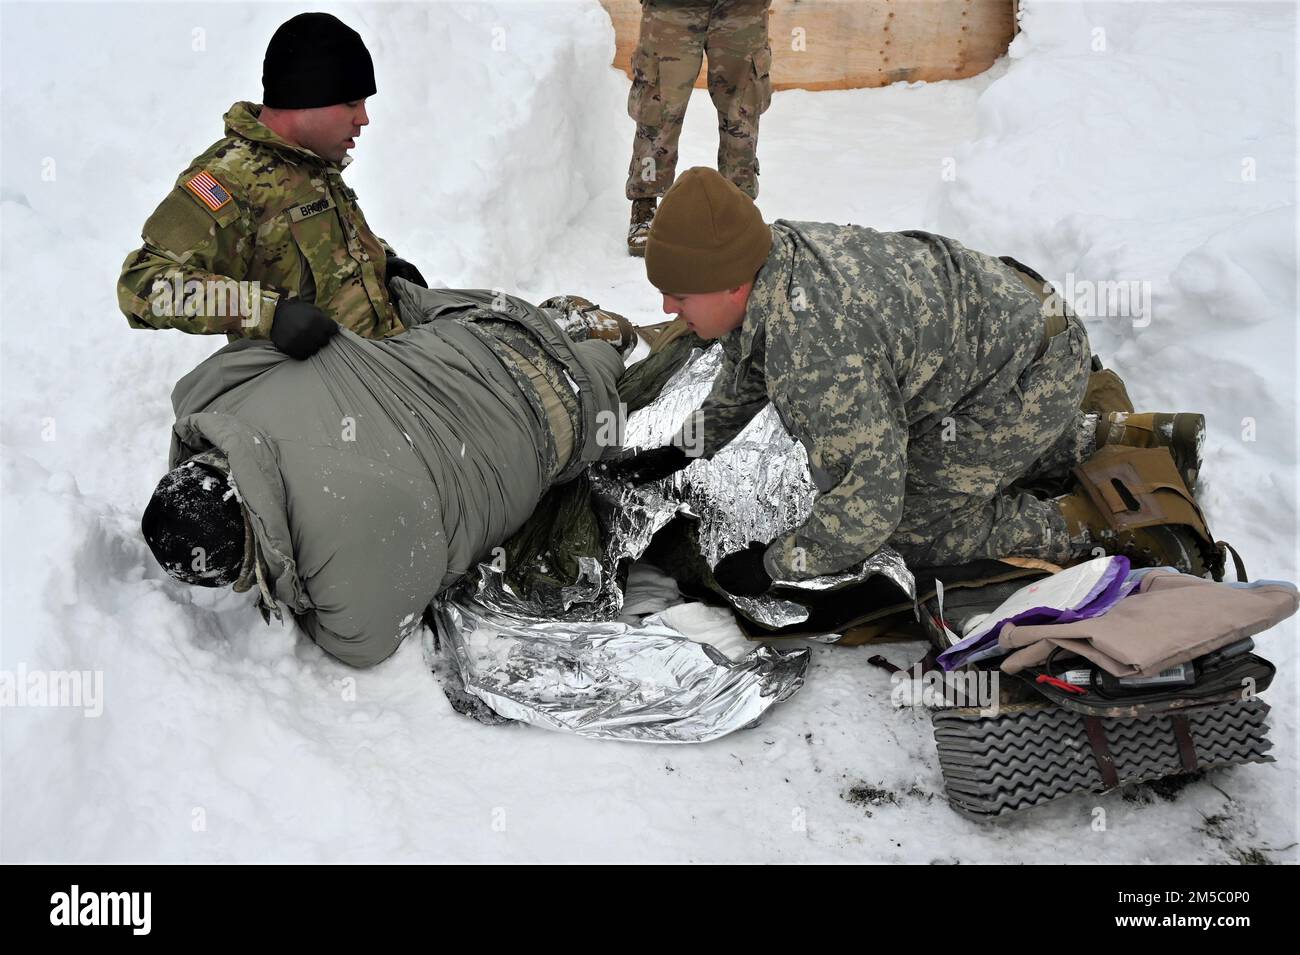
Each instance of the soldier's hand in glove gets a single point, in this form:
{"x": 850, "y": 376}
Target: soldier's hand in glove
{"x": 743, "y": 573}
{"x": 300, "y": 329}
{"x": 653, "y": 465}
{"x": 398, "y": 267}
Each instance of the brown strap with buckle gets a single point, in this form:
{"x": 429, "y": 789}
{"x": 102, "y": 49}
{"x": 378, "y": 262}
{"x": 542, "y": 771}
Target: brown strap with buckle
{"x": 1101, "y": 751}
{"x": 1186, "y": 747}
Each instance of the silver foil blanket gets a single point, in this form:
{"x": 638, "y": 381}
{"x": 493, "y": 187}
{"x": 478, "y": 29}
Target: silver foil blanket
{"x": 755, "y": 489}
{"x": 563, "y": 661}
{"x": 610, "y": 680}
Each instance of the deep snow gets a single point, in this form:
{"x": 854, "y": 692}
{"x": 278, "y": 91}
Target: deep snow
{"x": 495, "y": 158}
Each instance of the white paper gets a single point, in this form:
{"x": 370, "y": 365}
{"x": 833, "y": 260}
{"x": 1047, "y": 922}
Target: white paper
{"x": 1064, "y": 591}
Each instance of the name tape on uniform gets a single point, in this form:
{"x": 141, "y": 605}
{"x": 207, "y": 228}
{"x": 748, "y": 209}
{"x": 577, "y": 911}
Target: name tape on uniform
{"x": 298, "y": 213}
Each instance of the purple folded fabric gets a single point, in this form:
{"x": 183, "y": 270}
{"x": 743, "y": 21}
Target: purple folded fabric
{"x": 1112, "y": 586}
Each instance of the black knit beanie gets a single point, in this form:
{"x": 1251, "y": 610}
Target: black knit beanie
{"x": 315, "y": 59}
{"x": 195, "y": 526}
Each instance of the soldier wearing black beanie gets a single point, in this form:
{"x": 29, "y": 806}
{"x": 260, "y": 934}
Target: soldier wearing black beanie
{"x": 272, "y": 184}
{"x": 316, "y": 60}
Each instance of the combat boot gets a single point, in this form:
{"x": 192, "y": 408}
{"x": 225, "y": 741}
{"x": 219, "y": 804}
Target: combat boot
{"x": 638, "y": 231}
{"x": 1159, "y": 545}
{"x": 1182, "y": 434}
{"x": 1132, "y": 501}
{"x": 583, "y": 320}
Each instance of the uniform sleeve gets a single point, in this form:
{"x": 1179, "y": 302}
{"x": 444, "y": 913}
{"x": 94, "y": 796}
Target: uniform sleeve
{"x": 856, "y": 415}
{"x": 729, "y": 407}
{"x": 186, "y": 275}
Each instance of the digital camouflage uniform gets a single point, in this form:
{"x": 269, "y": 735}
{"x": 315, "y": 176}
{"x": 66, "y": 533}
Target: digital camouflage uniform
{"x": 279, "y": 215}
{"x": 906, "y": 365}
{"x": 674, "y": 36}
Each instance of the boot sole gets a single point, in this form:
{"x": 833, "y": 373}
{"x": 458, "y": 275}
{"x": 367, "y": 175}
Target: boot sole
{"x": 1187, "y": 441}
{"x": 1179, "y": 549}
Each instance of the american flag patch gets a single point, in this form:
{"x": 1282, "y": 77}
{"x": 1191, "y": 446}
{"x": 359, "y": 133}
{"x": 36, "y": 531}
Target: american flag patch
{"x": 210, "y": 192}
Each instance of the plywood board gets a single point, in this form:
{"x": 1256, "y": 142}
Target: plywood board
{"x": 843, "y": 44}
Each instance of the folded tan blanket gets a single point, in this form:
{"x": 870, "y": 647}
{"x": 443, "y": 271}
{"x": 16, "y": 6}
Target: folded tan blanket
{"x": 1171, "y": 618}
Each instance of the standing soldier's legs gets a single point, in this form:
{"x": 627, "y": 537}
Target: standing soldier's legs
{"x": 664, "y": 67}
{"x": 740, "y": 84}
{"x": 957, "y": 507}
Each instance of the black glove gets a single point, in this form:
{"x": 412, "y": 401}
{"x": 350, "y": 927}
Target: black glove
{"x": 398, "y": 268}
{"x": 653, "y": 465}
{"x": 743, "y": 574}
{"x": 300, "y": 329}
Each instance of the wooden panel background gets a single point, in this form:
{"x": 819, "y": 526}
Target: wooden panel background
{"x": 856, "y": 43}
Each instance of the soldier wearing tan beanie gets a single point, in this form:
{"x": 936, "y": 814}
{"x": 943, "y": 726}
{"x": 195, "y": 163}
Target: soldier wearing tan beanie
{"x": 707, "y": 237}
{"x": 922, "y": 378}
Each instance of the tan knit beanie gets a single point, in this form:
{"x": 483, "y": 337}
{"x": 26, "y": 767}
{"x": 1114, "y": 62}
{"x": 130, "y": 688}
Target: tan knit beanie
{"x": 706, "y": 236}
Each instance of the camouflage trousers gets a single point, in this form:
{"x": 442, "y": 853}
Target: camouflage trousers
{"x": 957, "y": 506}
{"x": 665, "y": 64}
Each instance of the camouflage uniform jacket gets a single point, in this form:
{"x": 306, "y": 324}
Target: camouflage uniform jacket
{"x": 864, "y": 341}
{"x": 255, "y": 208}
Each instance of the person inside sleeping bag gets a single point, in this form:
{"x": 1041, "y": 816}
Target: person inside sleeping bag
{"x": 355, "y": 485}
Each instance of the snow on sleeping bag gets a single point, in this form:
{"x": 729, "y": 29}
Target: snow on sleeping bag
{"x": 376, "y": 473}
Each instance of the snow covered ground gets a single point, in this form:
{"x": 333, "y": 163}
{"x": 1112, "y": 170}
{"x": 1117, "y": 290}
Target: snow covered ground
{"x": 1152, "y": 143}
